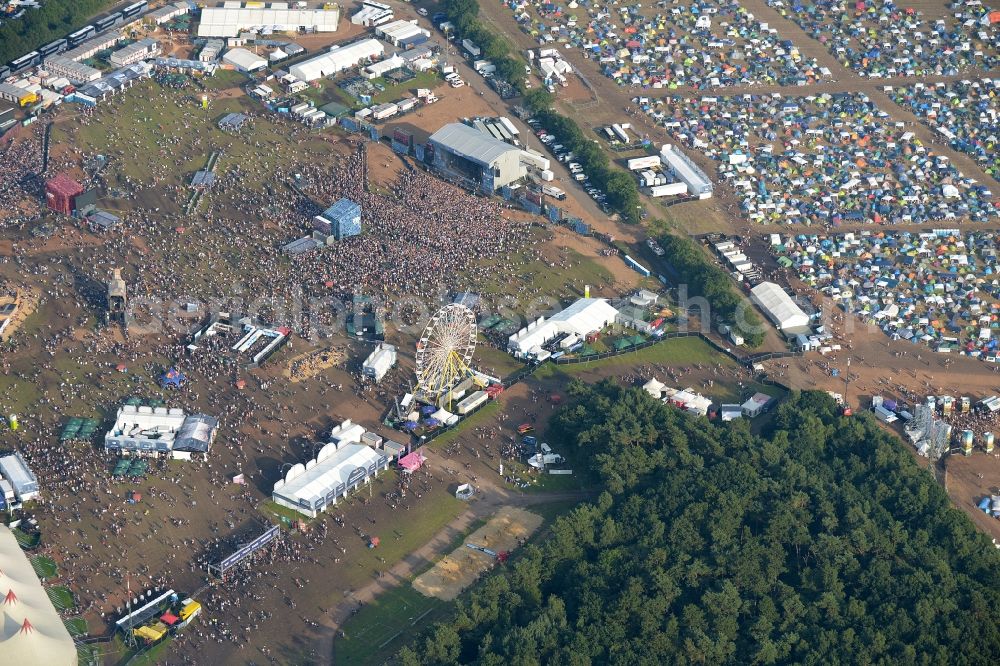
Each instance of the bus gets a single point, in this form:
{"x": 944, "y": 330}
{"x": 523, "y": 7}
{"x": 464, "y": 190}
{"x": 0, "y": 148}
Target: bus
{"x": 81, "y": 35}
{"x": 24, "y": 62}
{"x": 52, "y": 48}
{"x": 134, "y": 9}
{"x": 108, "y": 21}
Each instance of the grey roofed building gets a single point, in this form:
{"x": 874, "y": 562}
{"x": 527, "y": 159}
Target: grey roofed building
{"x": 232, "y": 121}
{"x": 196, "y": 434}
{"x": 102, "y": 219}
{"x": 203, "y": 178}
{"x": 467, "y": 152}
{"x": 300, "y": 246}
{"x": 14, "y": 468}
{"x": 470, "y": 143}
{"x": 293, "y": 49}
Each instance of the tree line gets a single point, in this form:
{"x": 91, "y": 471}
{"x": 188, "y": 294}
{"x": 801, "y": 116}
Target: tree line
{"x": 619, "y": 186}
{"x": 820, "y": 540}
{"x": 705, "y": 279}
{"x": 53, "y": 20}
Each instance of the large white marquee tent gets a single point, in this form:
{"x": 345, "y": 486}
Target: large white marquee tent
{"x": 31, "y": 631}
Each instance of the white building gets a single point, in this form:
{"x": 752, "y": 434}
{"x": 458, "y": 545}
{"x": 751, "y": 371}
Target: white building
{"x": 336, "y": 471}
{"x": 379, "y": 362}
{"x": 76, "y": 72}
{"x": 140, "y": 50}
{"x": 14, "y": 469}
{"x": 243, "y": 60}
{"x": 779, "y": 306}
{"x": 372, "y": 14}
{"x": 31, "y": 631}
{"x": 159, "y": 430}
{"x": 232, "y": 18}
{"x": 347, "y": 432}
{"x": 337, "y": 59}
{"x": 402, "y": 33}
{"x": 756, "y": 404}
{"x": 585, "y": 316}
{"x": 383, "y": 67}
{"x": 167, "y": 13}
{"x": 683, "y": 169}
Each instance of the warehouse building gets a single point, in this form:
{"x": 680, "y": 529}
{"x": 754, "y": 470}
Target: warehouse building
{"x": 337, "y": 470}
{"x": 76, "y": 72}
{"x": 341, "y": 220}
{"x": 92, "y": 47}
{"x": 133, "y": 53}
{"x": 779, "y": 307}
{"x": 15, "y": 470}
{"x": 141, "y": 430}
{"x": 404, "y": 34}
{"x": 585, "y": 316}
{"x": 244, "y": 61}
{"x": 232, "y": 18}
{"x": 212, "y": 50}
{"x": 17, "y": 95}
{"x": 168, "y": 13}
{"x": 684, "y": 170}
{"x": 466, "y": 152}
{"x": 337, "y": 59}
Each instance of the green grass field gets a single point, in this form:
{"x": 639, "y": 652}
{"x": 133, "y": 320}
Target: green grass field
{"x": 384, "y": 625}
{"x": 44, "y": 566}
{"x": 61, "y": 596}
{"x": 76, "y": 626}
{"x": 27, "y": 540}
{"x": 394, "y": 92}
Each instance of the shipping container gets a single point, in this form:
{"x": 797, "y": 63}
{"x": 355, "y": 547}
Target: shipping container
{"x": 472, "y": 401}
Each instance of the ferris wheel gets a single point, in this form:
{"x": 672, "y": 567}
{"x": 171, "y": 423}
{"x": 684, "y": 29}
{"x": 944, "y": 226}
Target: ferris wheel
{"x": 445, "y": 350}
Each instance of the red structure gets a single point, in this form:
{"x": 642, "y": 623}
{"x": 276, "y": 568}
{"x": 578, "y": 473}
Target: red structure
{"x": 60, "y": 192}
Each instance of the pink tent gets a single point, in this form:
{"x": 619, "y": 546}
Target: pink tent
{"x": 412, "y": 461}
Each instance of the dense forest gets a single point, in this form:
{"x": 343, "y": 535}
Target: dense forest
{"x": 55, "y": 19}
{"x": 819, "y": 541}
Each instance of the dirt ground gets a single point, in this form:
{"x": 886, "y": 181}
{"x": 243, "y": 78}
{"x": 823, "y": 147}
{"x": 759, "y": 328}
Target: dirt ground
{"x": 968, "y": 480}
{"x": 457, "y": 571}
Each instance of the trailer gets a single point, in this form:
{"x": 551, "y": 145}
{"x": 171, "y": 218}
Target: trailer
{"x": 509, "y": 126}
{"x": 643, "y": 163}
{"x": 472, "y": 401}
{"x": 554, "y": 192}
{"x": 620, "y": 133}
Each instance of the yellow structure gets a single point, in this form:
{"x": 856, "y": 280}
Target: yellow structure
{"x": 151, "y": 633}
{"x": 191, "y": 609}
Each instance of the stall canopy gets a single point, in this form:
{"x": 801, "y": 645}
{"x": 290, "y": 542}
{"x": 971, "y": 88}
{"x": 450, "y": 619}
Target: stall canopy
{"x": 412, "y": 462}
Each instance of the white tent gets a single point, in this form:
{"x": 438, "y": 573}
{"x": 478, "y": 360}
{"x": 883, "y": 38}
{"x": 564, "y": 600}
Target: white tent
{"x": 31, "y": 631}
{"x": 337, "y": 60}
{"x": 778, "y": 306}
